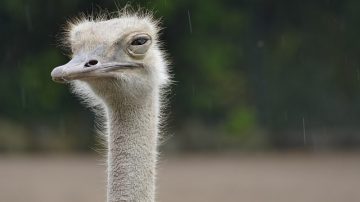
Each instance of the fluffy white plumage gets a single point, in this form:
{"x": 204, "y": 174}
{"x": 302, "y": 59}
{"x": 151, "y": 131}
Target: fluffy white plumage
{"x": 118, "y": 68}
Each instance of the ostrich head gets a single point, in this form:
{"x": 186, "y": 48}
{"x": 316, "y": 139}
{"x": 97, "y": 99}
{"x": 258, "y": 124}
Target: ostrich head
{"x": 118, "y": 57}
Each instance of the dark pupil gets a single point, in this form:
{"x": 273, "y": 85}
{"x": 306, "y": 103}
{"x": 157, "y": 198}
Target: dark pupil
{"x": 139, "y": 41}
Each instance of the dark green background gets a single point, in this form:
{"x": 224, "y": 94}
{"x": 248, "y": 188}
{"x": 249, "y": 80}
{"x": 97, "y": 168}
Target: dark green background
{"x": 250, "y": 75}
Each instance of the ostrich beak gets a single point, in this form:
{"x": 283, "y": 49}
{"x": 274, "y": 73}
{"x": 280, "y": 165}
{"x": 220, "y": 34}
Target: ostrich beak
{"x": 78, "y": 68}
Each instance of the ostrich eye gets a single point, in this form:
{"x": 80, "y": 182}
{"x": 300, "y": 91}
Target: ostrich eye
{"x": 139, "y": 45}
{"x": 139, "y": 41}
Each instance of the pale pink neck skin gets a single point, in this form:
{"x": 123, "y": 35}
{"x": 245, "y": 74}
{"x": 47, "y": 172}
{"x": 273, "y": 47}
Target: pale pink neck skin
{"x": 132, "y": 150}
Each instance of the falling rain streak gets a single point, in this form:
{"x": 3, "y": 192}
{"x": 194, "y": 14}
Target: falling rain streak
{"x": 304, "y": 130}
{"x": 189, "y": 19}
{"x": 28, "y": 18}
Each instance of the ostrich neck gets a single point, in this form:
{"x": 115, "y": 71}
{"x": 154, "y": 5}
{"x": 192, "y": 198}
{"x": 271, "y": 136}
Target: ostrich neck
{"x": 132, "y": 151}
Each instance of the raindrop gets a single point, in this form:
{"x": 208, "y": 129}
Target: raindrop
{"x": 260, "y": 43}
{"x": 358, "y": 74}
{"x": 189, "y": 19}
{"x": 304, "y": 130}
{"x": 28, "y": 18}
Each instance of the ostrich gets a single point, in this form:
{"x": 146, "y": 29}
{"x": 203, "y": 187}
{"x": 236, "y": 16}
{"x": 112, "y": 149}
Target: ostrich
{"x": 118, "y": 66}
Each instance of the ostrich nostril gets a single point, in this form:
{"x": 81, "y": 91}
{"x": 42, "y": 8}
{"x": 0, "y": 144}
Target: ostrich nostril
{"x": 91, "y": 63}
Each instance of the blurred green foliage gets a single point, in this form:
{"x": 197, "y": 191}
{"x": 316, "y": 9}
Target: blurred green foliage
{"x": 249, "y": 74}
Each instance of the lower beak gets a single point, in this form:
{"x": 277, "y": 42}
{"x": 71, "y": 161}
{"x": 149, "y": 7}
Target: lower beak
{"x": 78, "y": 70}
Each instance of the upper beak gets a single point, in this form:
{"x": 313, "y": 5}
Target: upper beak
{"x": 78, "y": 68}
